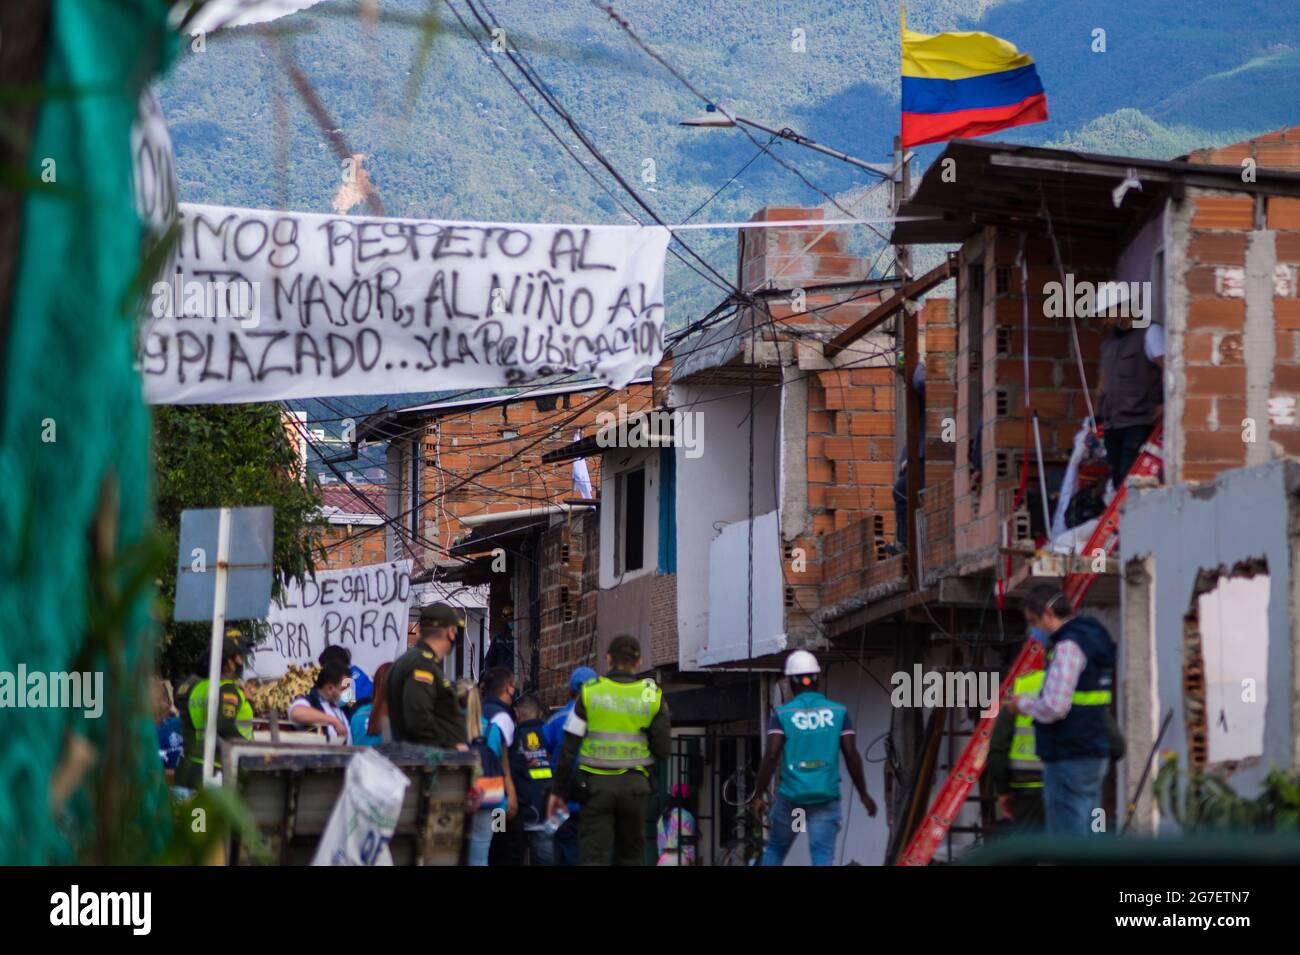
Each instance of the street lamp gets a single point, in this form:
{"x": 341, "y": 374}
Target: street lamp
{"x": 715, "y": 118}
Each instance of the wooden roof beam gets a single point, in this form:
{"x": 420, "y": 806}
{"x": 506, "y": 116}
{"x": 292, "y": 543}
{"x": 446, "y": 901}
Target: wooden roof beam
{"x": 918, "y": 286}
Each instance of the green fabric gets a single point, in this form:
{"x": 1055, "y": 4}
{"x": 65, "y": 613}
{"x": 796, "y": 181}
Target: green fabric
{"x": 68, "y": 363}
{"x": 810, "y": 755}
{"x": 618, "y": 717}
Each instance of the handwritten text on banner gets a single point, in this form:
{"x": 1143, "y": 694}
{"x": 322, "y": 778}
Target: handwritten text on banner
{"x": 364, "y": 609}
{"x": 266, "y": 305}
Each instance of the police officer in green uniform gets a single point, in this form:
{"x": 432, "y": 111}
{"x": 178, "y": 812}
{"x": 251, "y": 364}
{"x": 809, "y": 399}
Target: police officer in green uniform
{"x": 422, "y": 705}
{"x": 1014, "y": 767}
{"x": 234, "y": 713}
{"x": 618, "y": 728}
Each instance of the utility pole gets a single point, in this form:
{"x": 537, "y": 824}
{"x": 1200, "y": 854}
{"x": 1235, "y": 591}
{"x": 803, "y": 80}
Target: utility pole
{"x": 909, "y": 649}
{"x": 912, "y": 412}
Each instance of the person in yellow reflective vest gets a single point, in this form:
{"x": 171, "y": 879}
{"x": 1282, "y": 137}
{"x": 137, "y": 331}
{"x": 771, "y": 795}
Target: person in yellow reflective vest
{"x": 1070, "y": 713}
{"x": 1014, "y": 767}
{"x": 234, "y": 714}
{"x": 618, "y": 728}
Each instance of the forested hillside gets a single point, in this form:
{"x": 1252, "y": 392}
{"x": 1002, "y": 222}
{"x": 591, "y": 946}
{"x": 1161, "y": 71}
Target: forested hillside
{"x": 444, "y": 135}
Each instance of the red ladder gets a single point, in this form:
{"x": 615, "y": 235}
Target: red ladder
{"x": 967, "y": 772}
{"x": 956, "y": 788}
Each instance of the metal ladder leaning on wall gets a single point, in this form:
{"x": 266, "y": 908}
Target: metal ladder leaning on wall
{"x": 966, "y": 773}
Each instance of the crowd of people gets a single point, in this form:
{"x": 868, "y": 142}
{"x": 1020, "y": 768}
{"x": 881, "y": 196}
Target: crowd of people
{"x": 563, "y": 788}
{"x": 574, "y": 787}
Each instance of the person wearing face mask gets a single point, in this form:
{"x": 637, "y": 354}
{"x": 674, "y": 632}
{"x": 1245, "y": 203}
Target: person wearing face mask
{"x": 1072, "y": 735}
{"x": 323, "y": 706}
{"x": 234, "y": 712}
{"x": 362, "y": 688}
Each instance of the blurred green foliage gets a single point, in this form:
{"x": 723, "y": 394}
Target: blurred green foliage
{"x": 1202, "y": 802}
{"x": 228, "y": 456}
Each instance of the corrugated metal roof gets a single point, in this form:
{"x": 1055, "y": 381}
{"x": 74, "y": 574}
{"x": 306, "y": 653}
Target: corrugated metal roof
{"x": 1009, "y": 185}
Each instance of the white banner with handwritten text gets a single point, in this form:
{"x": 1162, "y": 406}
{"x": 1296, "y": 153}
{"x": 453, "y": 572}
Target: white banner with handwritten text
{"x": 265, "y": 305}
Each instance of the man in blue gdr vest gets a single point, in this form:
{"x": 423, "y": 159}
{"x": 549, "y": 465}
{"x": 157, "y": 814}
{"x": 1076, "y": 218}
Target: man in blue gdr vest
{"x": 806, "y": 738}
{"x": 1070, "y": 722}
{"x": 566, "y": 837}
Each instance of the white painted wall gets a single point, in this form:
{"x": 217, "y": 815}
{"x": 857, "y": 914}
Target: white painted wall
{"x": 1233, "y": 620}
{"x": 729, "y": 637}
{"x": 713, "y": 490}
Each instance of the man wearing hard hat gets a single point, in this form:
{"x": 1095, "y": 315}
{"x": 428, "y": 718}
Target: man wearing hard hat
{"x": 806, "y": 738}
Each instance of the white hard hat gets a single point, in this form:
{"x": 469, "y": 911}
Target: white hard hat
{"x": 801, "y": 662}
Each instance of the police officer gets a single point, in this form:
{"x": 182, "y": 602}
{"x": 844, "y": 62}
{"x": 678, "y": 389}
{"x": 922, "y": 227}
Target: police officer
{"x": 618, "y": 728}
{"x": 234, "y": 713}
{"x": 422, "y": 705}
{"x": 1014, "y": 766}
{"x": 806, "y": 737}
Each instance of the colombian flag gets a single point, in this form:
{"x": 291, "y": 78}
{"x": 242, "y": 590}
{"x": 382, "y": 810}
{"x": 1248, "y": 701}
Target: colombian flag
{"x": 966, "y": 84}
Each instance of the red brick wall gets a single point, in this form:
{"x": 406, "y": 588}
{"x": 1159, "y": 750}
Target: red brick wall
{"x": 796, "y": 256}
{"x": 459, "y": 444}
{"x": 1214, "y": 366}
{"x": 1214, "y": 356}
{"x": 353, "y": 545}
{"x": 849, "y": 556}
{"x": 1055, "y": 390}
{"x": 1279, "y": 149}
{"x": 570, "y": 565}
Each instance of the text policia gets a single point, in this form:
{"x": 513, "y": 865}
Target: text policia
{"x": 266, "y": 305}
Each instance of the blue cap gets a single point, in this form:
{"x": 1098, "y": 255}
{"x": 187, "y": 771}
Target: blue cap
{"x": 580, "y": 676}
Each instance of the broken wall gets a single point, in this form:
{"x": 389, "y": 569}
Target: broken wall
{"x": 1169, "y": 537}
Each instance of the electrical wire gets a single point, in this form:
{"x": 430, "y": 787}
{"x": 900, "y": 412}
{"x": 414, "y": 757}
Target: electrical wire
{"x": 520, "y": 62}
{"x": 626, "y": 27}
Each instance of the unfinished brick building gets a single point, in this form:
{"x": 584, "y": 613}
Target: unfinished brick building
{"x": 811, "y": 435}
{"x": 471, "y": 503}
{"x": 1214, "y": 245}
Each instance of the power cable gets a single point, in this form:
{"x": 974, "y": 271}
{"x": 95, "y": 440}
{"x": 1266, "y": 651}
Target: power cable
{"x": 626, "y": 27}
{"x": 530, "y": 76}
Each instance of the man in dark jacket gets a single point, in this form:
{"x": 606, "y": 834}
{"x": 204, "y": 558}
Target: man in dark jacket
{"x": 1070, "y": 714}
{"x": 1131, "y": 398}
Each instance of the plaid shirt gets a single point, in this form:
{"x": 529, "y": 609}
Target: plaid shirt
{"x": 1062, "y": 677}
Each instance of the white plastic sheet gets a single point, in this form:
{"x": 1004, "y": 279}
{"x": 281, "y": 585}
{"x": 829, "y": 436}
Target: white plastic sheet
{"x": 365, "y": 815}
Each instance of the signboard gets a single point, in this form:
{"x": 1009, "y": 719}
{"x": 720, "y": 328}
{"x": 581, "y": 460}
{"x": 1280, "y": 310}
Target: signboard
{"x": 265, "y": 305}
{"x": 361, "y": 608}
{"x": 248, "y": 577}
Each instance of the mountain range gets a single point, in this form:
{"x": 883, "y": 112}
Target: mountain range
{"x": 431, "y": 107}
